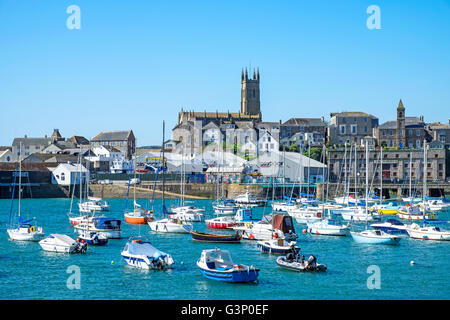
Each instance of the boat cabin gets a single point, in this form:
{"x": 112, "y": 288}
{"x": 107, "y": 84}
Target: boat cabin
{"x": 217, "y": 259}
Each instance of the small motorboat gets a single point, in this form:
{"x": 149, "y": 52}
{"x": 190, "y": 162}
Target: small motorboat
{"x": 296, "y": 262}
{"x": 63, "y": 244}
{"x": 427, "y": 232}
{"x": 375, "y": 237}
{"x": 249, "y": 200}
{"x": 277, "y": 246}
{"x": 328, "y": 227}
{"x": 391, "y": 226}
{"x": 217, "y": 238}
{"x": 216, "y": 264}
{"x": 414, "y": 212}
{"x": 188, "y": 214}
{"x": 108, "y": 227}
{"x": 280, "y": 226}
{"x": 93, "y": 204}
{"x": 140, "y": 253}
{"x": 221, "y": 223}
{"x": 225, "y": 207}
{"x": 92, "y": 238}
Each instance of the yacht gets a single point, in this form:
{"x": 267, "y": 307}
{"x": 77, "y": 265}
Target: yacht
{"x": 140, "y": 253}
{"x": 62, "y": 243}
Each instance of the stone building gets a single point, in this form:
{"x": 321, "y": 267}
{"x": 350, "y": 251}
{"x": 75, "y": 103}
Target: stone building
{"x": 196, "y": 132}
{"x": 34, "y": 145}
{"x": 440, "y": 132}
{"x": 350, "y": 127}
{"x": 122, "y": 140}
{"x": 396, "y": 165}
{"x": 303, "y": 125}
{"x": 405, "y": 132}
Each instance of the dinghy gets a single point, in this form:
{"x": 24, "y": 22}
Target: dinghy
{"x": 296, "y": 262}
{"x": 217, "y": 238}
{"x": 277, "y": 246}
{"x": 216, "y": 264}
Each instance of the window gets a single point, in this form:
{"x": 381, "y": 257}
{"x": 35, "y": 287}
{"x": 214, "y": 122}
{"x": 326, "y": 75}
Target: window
{"x": 391, "y": 143}
{"x": 418, "y": 132}
{"x": 353, "y": 128}
{"x": 417, "y": 143}
{"x": 63, "y": 176}
{"x": 342, "y": 129}
{"x": 390, "y": 133}
{"x": 410, "y": 132}
{"x": 365, "y": 129}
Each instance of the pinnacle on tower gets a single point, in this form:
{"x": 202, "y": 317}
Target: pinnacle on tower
{"x": 400, "y": 105}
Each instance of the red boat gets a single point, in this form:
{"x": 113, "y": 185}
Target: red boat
{"x": 221, "y": 223}
{"x": 142, "y": 170}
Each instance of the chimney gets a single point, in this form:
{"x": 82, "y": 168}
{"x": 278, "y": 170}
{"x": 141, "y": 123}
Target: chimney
{"x": 421, "y": 118}
{"x": 322, "y": 118}
{"x": 25, "y": 136}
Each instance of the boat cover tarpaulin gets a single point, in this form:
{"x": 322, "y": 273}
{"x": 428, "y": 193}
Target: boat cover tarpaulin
{"x": 145, "y": 249}
{"x": 283, "y": 223}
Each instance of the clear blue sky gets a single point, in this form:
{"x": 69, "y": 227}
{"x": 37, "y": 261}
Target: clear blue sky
{"x": 135, "y": 63}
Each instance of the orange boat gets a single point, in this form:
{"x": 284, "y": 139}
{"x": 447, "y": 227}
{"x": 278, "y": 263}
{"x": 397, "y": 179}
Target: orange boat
{"x": 138, "y": 216}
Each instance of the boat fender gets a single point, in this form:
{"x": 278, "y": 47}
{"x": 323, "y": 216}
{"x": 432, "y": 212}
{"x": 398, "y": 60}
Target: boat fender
{"x": 250, "y": 236}
{"x": 32, "y": 229}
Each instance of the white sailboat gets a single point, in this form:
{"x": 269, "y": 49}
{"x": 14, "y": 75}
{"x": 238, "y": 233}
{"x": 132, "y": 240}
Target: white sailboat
{"x": 168, "y": 225}
{"x": 426, "y": 232}
{"x": 24, "y": 230}
{"x": 372, "y": 236}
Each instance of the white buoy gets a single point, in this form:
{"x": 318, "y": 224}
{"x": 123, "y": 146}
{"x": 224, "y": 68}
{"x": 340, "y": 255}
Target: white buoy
{"x": 412, "y": 262}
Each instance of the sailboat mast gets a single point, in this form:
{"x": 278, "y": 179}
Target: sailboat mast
{"x": 164, "y": 176}
{"x": 424, "y": 191}
{"x": 367, "y": 182}
{"x": 381, "y": 176}
{"x": 410, "y": 181}
{"x": 355, "y": 172}
{"x": 20, "y": 173}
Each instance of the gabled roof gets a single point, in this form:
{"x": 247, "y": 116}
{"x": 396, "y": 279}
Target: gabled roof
{"x": 409, "y": 121}
{"x": 12, "y": 166}
{"x": 313, "y": 122}
{"x": 113, "y": 136}
{"x": 31, "y": 141}
{"x": 210, "y": 125}
{"x": 78, "y": 140}
{"x": 352, "y": 114}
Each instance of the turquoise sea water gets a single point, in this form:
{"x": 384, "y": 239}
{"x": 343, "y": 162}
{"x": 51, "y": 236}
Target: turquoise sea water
{"x": 27, "y": 272}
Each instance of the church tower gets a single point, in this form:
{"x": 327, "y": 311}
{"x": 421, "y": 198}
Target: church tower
{"x": 400, "y": 137}
{"x": 250, "y": 102}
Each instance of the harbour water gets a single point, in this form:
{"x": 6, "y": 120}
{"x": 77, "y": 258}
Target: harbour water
{"x": 27, "y": 272}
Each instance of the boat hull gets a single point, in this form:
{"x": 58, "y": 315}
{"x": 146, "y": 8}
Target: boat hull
{"x": 15, "y": 235}
{"x": 216, "y": 238}
{"x": 135, "y": 220}
{"x": 429, "y": 235}
{"x": 374, "y": 240}
{"x": 234, "y": 276}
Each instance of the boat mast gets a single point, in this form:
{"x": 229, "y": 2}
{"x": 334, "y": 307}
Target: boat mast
{"x": 381, "y": 176}
{"x": 164, "y": 176}
{"x": 20, "y": 174}
{"x": 424, "y": 179}
{"x": 410, "y": 181}
{"x": 356, "y": 160}
{"x": 345, "y": 170}
{"x": 367, "y": 181}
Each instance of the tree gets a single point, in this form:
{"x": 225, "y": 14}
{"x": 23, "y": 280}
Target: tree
{"x": 294, "y": 148}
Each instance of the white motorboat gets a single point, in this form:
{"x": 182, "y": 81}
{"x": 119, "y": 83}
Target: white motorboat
{"x": 170, "y": 225}
{"x": 226, "y": 207}
{"x": 328, "y": 227}
{"x": 62, "y": 243}
{"x": 375, "y": 237}
{"x": 277, "y": 246}
{"x": 249, "y": 200}
{"x": 414, "y": 212}
{"x": 282, "y": 206}
{"x": 391, "y": 226}
{"x": 93, "y": 204}
{"x": 359, "y": 214}
{"x": 427, "y": 232}
{"x": 306, "y": 214}
{"x": 279, "y": 226}
{"x": 140, "y": 253}
{"x": 188, "y": 214}
{"x": 107, "y": 227}
{"x": 225, "y": 222}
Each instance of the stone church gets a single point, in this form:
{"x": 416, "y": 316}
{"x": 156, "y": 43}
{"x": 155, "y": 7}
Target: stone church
{"x": 197, "y": 131}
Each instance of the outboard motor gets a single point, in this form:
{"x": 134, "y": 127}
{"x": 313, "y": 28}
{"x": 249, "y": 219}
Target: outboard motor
{"x": 290, "y": 257}
{"x": 311, "y": 262}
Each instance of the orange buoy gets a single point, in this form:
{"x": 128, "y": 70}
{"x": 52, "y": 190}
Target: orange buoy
{"x": 304, "y": 230}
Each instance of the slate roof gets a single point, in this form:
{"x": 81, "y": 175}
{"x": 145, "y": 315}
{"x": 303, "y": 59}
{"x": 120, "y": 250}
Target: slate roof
{"x": 112, "y": 136}
{"x": 313, "y": 122}
{"x": 31, "y": 141}
{"x": 409, "y": 121}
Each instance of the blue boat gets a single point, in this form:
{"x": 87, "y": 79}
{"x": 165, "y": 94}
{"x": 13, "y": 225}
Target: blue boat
{"x": 391, "y": 226}
{"x": 216, "y": 264}
{"x": 93, "y": 238}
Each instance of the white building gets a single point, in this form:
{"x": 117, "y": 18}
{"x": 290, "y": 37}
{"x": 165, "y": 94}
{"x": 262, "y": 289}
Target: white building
{"x": 296, "y": 167}
{"x": 6, "y": 154}
{"x": 66, "y": 174}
